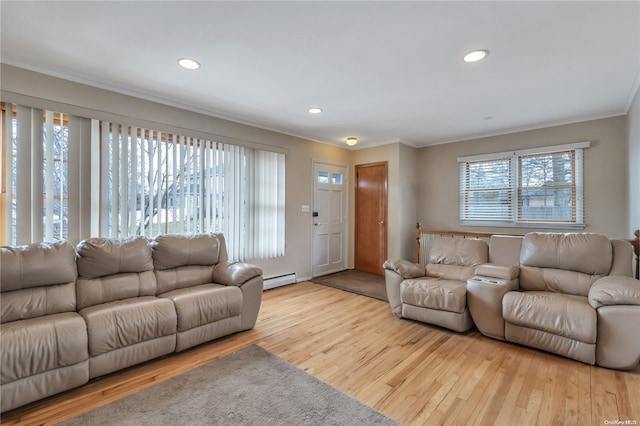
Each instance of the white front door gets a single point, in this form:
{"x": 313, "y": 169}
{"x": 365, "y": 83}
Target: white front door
{"x": 330, "y": 218}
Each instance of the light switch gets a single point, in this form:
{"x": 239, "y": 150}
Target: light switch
{"x": 305, "y": 208}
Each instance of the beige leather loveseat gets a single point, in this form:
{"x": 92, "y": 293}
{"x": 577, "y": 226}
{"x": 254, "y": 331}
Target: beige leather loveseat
{"x": 436, "y": 294}
{"x": 71, "y": 315}
{"x": 570, "y": 294}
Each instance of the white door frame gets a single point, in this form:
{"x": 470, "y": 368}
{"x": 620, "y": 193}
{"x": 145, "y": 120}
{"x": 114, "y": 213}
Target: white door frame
{"x": 346, "y": 213}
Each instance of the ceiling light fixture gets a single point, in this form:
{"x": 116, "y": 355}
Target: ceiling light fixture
{"x": 315, "y": 110}
{"x": 189, "y": 64}
{"x": 351, "y": 141}
{"x": 476, "y": 55}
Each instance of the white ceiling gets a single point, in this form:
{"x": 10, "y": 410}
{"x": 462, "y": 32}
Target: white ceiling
{"x": 382, "y": 71}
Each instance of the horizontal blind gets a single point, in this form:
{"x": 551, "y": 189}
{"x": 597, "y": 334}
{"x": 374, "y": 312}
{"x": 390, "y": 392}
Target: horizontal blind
{"x": 486, "y": 190}
{"x": 547, "y": 190}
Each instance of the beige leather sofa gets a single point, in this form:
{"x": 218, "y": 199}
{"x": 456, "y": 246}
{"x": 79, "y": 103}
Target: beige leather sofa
{"x": 43, "y": 337}
{"x": 71, "y": 315}
{"x": 569, "y": 294}
{"x": 436, "y": 294}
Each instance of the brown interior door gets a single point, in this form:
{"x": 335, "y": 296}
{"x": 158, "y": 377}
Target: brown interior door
{"x": 371, "y": 217}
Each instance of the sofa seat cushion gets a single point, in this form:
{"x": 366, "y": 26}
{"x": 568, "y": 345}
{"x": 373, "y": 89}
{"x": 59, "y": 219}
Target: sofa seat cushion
{"x": 37, "y": 345}
{"x": 443, "y": 295}
{"x": 122, "y": 323}
{"x": 560, "y": 314}
{"x": 204, "y": 304}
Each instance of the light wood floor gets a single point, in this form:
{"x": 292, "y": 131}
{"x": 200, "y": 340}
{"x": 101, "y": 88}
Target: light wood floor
{"x": 413, "y": 373}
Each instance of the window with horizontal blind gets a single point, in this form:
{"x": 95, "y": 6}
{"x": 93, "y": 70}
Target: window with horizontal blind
{"x": 487, "y": 190}
{"x": 533, "y": 187}
{"x": 547, "y": 190}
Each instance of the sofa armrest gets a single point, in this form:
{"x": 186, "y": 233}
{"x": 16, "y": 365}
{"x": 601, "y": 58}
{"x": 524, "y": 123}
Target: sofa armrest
{"x": 404, "y": 268}
{"x": 234, "y": 273}
{"x": 498, "y": 271}
{"x": 614, "y": 290}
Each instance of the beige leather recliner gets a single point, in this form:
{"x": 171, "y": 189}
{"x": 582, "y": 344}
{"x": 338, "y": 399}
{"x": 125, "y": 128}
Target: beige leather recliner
{"x": 436, "y": 294}
{"x": 126, "y": 322}
{"x": 44, "y": 339}
{"x": 574, "y": 296}
{"x": 213, "y": 297}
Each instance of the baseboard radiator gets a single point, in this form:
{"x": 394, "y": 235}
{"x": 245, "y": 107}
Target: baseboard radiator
{"x": 279, "y": 281}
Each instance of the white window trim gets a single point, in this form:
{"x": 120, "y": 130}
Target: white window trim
{"x": 513, "y": 155}
{"x": 541, "y": 150}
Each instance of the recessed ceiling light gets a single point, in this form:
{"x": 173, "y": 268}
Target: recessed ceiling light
{"x": 189, "y": 64}
{"x": 475, "y": 56}
{"x": 315, "y": 110}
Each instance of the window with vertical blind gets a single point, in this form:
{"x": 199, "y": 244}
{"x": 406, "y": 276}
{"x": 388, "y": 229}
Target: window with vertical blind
{"x": 155, "y": 182}
{"x": 542, "y": 186}
{"x": 45, "y": 175}
{"x": 113, "y": 180}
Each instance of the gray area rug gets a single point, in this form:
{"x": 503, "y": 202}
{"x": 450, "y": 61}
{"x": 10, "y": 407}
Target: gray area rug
{"x": 360, "y": 282}
{"x": 248, "y": 387}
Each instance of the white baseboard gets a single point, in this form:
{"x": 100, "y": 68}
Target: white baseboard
{"x": 279, "y": 281}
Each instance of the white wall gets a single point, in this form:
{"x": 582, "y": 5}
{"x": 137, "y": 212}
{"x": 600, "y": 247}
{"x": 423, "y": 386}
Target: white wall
{"x": 605, "y": 183}
{"x": 407, "y": 215}
{"x": 401, "y": 191}
{"x": 633, "y": 162}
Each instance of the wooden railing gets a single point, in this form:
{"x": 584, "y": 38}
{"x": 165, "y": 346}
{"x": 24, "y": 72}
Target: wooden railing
{"x": 636, "y": 248}
{"x": 424, "y": 238}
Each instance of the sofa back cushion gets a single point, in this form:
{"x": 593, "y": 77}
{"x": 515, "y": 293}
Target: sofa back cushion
{"x": 586, "y": 253}
{"x": 556, "y": 280}
{"x": 114, "y": 269}
{"x": 505, "y": 250}
{"x": 182, "y": 261}
{"x": 564, "y": 263}
{"x": 456, "y": 258}
{"x": 36, "y": 280}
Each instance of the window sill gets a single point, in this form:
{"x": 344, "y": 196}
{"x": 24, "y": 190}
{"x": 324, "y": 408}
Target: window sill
{"x": 529, "y": 225}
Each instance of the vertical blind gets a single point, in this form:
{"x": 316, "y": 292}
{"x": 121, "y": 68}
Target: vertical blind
{"x": 44, "y": 181}
{"x": 155, "y": 182}
{"x": 69, "y": 178}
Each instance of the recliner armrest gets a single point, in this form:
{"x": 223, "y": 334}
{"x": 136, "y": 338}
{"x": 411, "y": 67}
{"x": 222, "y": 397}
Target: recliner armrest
{"x": 498, "y": 271}
{"x": 614, "y": 290}
{"x": 234, "y": 273}
{"x": 405, "y": 268}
